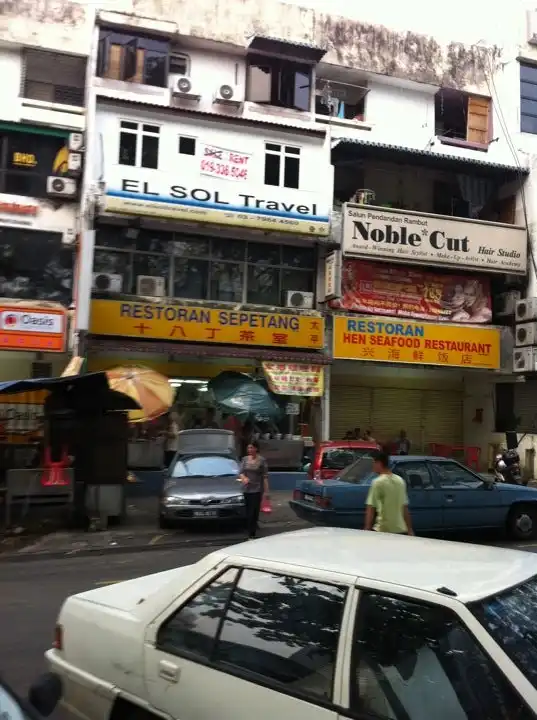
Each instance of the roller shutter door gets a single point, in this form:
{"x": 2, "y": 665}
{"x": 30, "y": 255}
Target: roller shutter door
{"x": 350, "y": 407}
{"x": 525, "y": 406}
{"x": 396, "y": 409}
{"x": 442, "y": 417}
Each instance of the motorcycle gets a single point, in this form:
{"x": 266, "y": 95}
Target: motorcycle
{"x": 507, "y": 468}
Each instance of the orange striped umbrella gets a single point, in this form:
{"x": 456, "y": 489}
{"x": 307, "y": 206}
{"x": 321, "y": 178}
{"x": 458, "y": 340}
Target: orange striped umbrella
{"x": 150, "y": 389}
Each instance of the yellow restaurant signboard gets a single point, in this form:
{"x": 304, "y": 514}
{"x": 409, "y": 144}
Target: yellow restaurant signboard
{"x": 191, "y": 323}
{"x": 399, "y": 341}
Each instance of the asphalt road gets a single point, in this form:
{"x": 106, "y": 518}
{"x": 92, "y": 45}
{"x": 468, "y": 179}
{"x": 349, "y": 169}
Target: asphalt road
{"x": 32, "y": 593}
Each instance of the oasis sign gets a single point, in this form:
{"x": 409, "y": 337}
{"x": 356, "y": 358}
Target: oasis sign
{"x": 222, "y": 207}
{"x": 409, "y": 237}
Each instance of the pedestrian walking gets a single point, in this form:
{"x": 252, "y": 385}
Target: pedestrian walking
{"x": 172, "y": 439}
{"x": 254, "y": 477}
{"x": 387, "y": 500}
{"x": 403, "y": 444}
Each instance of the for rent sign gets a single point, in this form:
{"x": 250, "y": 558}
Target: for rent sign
{"x": 397, "y": 341}
{"x": 409, "y": 237}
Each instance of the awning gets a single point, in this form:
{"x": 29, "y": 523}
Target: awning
{"x": 346, "y": 149}
{"x": 98, "y": 343}
{"x": 83, "y": 393}
{"x": 289, "y": 48}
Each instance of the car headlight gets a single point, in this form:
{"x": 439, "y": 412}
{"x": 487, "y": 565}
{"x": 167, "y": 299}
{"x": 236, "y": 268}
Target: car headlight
{"x": 235, "y": 500}
{"x": 171, "y": 500}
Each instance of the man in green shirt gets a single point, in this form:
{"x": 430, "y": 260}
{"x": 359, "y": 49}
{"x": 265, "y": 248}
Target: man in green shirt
{"x": 387, "y": 500}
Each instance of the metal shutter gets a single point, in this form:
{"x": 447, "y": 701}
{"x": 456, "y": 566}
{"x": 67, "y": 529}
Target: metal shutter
{"x": 396, "y": 409}
{"x": 442, "y": 417}
{"x": 350, "y": 407}
{"x": 525, "y": 406}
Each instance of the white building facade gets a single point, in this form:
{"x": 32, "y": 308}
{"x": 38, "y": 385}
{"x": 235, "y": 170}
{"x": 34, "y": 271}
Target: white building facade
{"x": 43, "y": 58}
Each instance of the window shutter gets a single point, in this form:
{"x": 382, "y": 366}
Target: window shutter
{"x": 478, "y": 124}
{"x": 130, "y": 60}
{"x": 114, "y": 63}
{"x": 139, "y": 74}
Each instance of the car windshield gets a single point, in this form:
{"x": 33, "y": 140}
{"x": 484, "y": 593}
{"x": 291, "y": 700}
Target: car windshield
{"x": 205, "y": 466}
{"x": 511, "y": 619}
{"x": 339, "y": 458}
{"x": 360, "y": 472}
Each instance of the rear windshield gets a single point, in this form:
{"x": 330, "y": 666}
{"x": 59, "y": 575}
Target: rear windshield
{"x": 511, "y": 619}
{"x": 339, "y": 458}
{"x": 360, "y": 472}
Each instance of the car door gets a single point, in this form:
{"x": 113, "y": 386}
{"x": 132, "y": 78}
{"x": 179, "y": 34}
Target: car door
{"x": 412, "y": 660}
{"x": 468, "y": 501}
{"x": 425, "y": 505}
{"x": 249, "y": 643}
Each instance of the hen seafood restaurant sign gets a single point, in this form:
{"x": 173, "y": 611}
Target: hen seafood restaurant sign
{"x": 202, "y": 202}
{"x": 189, "y": 323}
{"x": 396, "y": 341}
{"x": 409, "y": 237}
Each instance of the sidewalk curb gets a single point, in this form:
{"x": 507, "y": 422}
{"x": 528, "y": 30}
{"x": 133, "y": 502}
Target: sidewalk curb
{"x": 179, "y": 543}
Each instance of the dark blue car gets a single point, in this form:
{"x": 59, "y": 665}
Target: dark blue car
{"x": 443, "y": 495}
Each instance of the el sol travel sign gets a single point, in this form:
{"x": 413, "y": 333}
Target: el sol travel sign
{"x": 222, "y": 207}
{"x": 409, "y": 237}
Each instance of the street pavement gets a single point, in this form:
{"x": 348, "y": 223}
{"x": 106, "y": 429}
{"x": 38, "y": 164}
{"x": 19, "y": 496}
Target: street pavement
{"x": 32, "y": 593}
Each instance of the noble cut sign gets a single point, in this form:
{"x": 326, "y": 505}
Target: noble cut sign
{"x": 410, "y": 237}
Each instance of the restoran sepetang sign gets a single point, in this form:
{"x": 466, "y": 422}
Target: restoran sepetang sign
{"x": 409, "y": 237}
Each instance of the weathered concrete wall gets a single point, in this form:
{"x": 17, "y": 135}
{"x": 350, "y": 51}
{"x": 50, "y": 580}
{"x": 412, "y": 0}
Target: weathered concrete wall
{"x": 51, "y": 24}
{"x": 349, "y": 42}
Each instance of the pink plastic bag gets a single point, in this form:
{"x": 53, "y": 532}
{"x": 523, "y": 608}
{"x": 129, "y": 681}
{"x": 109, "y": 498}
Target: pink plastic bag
{"x": 266, "y": 505}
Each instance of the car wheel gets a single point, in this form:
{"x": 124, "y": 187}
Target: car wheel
{"x": 522, "y": 522}
{"x": 164, "y": 523}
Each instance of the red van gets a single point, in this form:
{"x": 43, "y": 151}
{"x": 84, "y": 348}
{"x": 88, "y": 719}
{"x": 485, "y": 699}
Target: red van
{"x": 333, "y": 456}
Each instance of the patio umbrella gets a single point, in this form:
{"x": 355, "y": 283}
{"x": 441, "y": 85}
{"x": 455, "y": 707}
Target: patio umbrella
{"x": 148, "y": 388}
{"x": 238, "y": 394}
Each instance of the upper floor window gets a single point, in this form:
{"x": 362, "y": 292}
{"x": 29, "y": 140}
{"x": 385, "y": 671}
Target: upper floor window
{"x": 179, "y": 64}
{"x": 138, "y": 144}
{"x": 133, "y": 58}
{"x": 54, "y": 77}
{"x": 528, "y": 98}
{"x": 280, "y": 82}
{"x": 463, "y": 118}
{"x": 282, "y": 165}
{"x": 340, "y": 100}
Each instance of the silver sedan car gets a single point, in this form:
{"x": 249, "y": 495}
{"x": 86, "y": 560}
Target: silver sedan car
{"x": 202, "y": 483}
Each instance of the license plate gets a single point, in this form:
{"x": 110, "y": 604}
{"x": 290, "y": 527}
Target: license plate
{"x": 205, "y": 513}
{"x": 309, "y": 498}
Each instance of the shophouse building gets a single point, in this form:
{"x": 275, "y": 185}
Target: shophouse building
{"x": 209, "y": 196}
{"x": 43, "y": 57}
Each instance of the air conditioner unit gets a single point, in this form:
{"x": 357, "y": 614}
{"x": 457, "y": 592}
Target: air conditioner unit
{"x": 74, "y": 163}
{"x": 182, "y": 87}
{"x": 69, "y": 237}
{"x": 228, "y": 95}
{"x": 107, "y": 282}
{"x": 526, "y": 310}
{"x": 525, "y": 360}
{"x": 61, "y": 187}
{"x": 506, "y": 303}
{"x": 150, "y": 286}
{"x": 76, "y": 142}
{"x": 526, "y": 334}
{"x": 299, "y": 299}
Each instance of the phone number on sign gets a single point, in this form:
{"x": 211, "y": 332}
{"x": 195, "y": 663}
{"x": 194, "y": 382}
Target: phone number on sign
{"x": 214, "y": 168}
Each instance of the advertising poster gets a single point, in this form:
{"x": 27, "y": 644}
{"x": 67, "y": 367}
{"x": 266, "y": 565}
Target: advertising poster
{"x": 403, "y": 291}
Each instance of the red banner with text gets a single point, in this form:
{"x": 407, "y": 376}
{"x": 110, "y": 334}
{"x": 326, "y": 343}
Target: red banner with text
{"x": 402, "y": 291}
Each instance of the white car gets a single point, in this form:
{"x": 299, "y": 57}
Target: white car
{"x": 320, "y": 624}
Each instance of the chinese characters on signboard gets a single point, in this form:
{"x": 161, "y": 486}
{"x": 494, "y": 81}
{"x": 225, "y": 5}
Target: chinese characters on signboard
{"x": 386, "y": 340}
{"x": 227, "y": 164}
{"x": 207, "y": 325}
{"x": 383, "y": 289}
{"x": 295, "y": 379}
